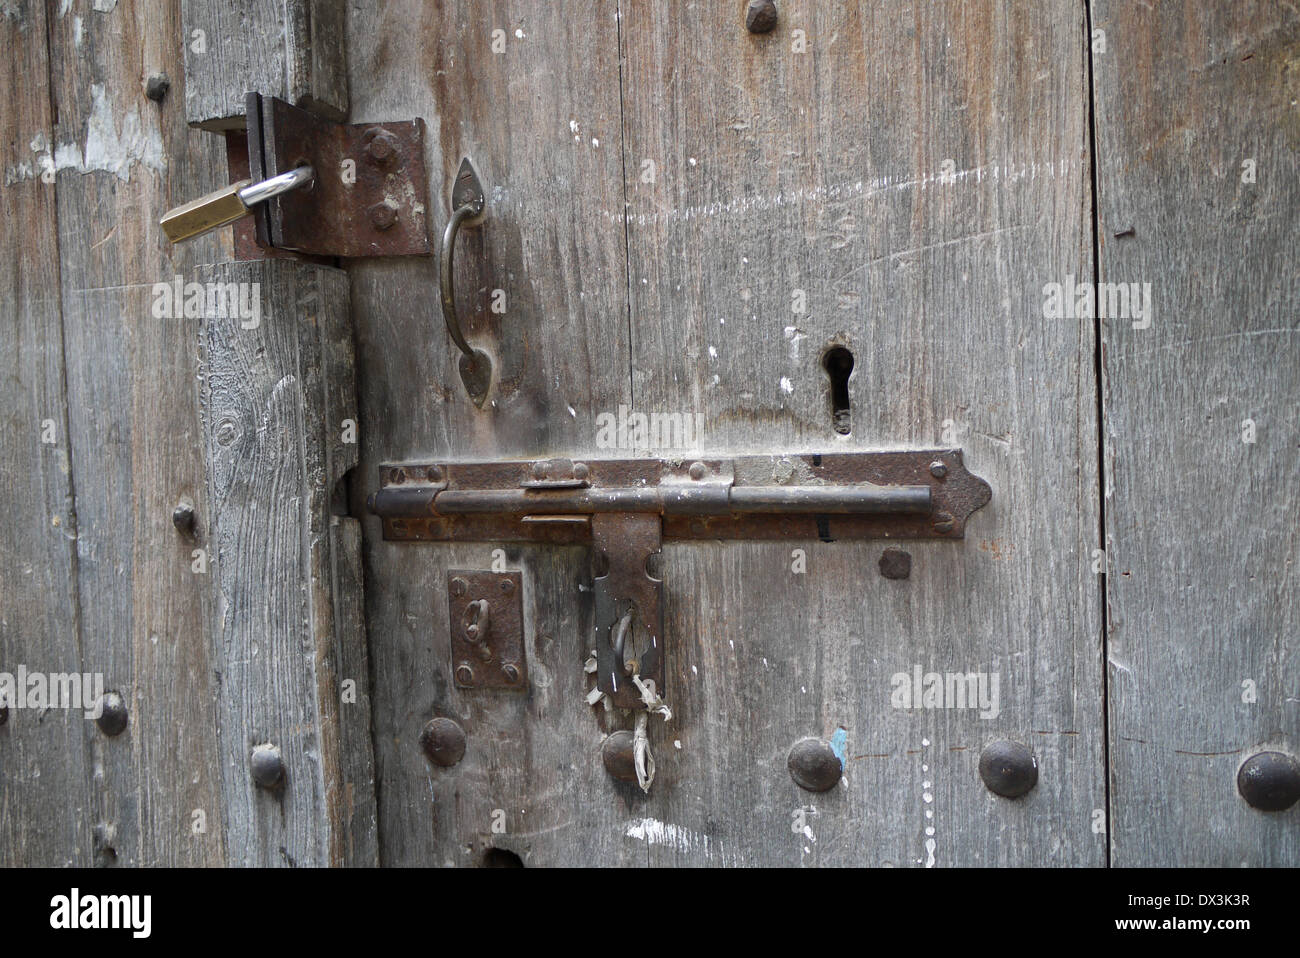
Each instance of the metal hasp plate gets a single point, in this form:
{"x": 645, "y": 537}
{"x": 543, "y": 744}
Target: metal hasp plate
{"x": 487, "y": 629}
{"x": 370, "y": 195}
{"x": 625, "y": 507}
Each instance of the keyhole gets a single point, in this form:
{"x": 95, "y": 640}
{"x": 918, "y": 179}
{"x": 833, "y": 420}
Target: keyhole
{"x": 838, "y": 363}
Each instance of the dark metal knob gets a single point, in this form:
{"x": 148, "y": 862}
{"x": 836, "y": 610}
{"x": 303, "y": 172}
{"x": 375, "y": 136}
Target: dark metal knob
{"x": 1008, "y": 768}
{"x": 112, "y": 718}
{"x": 443, "y": 741}
{"x": 618, "y": 755}
{"x": 814, "y": 765}
{"x": 1269, "y": 781}
{"x": 267, "y": 766}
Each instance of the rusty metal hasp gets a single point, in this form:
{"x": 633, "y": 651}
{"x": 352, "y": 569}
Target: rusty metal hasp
{"x": 624, "y": 508}
{"x": 370, "y": 193}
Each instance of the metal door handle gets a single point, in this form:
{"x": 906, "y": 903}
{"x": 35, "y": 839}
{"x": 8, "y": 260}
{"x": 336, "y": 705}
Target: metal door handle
{"x": 467, "y": 204}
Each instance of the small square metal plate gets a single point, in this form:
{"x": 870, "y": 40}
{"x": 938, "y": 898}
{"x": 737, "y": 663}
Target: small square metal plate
{"x": 487, "y": 629}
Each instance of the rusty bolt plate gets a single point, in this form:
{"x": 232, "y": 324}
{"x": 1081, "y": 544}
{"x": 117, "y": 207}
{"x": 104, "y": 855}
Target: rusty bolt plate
{"x": 487, "y": 642}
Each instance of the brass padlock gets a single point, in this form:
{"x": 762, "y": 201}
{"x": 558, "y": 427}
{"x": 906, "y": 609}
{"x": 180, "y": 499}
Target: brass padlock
{"x": 229, "y": 204}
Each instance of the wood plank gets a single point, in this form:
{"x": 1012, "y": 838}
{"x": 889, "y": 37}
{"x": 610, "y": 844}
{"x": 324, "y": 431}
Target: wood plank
{"x": 292, "y": 49}
{"x": 541, "y": 121}
{"x": 274, "y": 400}
{"x": 44, "y": 775}
{"x": 133, "y": 433}
{"x": 807, "y": 174}
{"x": 823, "y": 171}
{"x": 1201, "y": 538}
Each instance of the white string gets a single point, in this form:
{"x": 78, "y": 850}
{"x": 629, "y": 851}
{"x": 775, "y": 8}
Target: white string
{"x": 641, "y": 757}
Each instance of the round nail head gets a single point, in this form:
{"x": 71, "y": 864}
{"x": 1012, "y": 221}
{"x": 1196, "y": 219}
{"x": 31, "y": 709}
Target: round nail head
{"x": 760, "y": 16}
{"x": 618, "y": 756}
{"x": 1008, "y": 768}
{"x": 267, "y": 766}
{"x": 443, "y": 741}
{"x": 1269, "y": 781}
{"x": 112, "y": 718}
{"x": 814, "y": 765}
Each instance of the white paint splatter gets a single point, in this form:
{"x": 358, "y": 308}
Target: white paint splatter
{"x": 104, "y": 6}
{"x": 654, "y": 832}
{"x": 786, "y": 385}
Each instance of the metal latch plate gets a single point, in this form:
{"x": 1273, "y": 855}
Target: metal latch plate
{"x": 487, "y": 629}
{"x": 370, "y": 195}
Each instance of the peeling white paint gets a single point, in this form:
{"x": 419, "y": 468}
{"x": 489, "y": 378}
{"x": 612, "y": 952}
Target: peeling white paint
{"x": 654, "y": 832}
{"x": 114, "y": 150}
{"x": 109, "y": 147}
{"x": 786, "y": 385}
{"x": 105, "y": 6}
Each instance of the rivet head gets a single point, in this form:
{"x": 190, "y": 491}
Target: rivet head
{"x": 760, "y": 17}
{"x": 618, "y": 756}
{"x": 397, "y": 476}
{"x": 895, "y": 564}
{"x": 1008, "y": 768}
{"x": 267, "y": 766}
{"x": 183, "y": 518}
{"x": 938, "y": 469}
{"x": 943, "y": 522}
{"x": 507, "y": 586}
{"x": 459, "y": 586}
{"x": 581, "y": 470}
{"x": 156, "y": 87}
{"x": 112, "y": 716}
{"x": 382, "y": 216}
{"x": 814, "y": 765}
{"x": 381, "y": 148}
{"x": 697, "y": 471}
{"x": 465, "y": 675}
{"x": 539, "y": 469}
{"x": 434, "y": 474}
{"x": 510, "y": 671}
{"x": 443, "y": 741}
{"x": 1269, "y": 781}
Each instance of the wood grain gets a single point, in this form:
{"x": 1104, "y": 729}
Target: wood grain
{"x": 274, "y": 402}
{"x": 133, "y": 435}
{"x": 45, "y": 783}
{"x": 293, "y": 50}
{"x": 1200, "y": 528}
{"x": 541, "y": 122}
{"x": 774, "y": 171}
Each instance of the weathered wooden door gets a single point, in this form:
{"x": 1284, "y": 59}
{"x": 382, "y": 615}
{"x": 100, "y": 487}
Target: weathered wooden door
{"x": 866, "y": 229}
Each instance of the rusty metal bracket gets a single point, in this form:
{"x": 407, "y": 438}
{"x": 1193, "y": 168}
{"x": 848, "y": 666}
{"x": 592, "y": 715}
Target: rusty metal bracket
{"x": 624, "y": 508}
{"x": 370, "y": 195}
{"x": 487, "y": 629}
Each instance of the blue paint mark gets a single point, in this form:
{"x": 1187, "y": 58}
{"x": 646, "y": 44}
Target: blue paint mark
{"x": 838, "y": 742}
